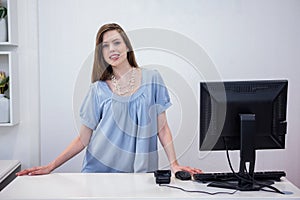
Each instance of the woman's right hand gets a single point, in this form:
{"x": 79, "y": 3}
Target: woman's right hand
{"x": 41, "y": 170}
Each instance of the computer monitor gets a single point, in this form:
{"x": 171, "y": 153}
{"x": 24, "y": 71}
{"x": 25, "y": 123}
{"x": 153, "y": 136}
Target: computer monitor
{"x": 245, "y": 116}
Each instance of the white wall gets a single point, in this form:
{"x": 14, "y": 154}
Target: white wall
{"x": 244, "y": 39}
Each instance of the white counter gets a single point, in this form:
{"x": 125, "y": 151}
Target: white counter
{"x": 122, "y": 186}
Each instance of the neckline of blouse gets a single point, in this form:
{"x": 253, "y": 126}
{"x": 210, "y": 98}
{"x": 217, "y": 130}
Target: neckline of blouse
{"x": 137, "y": 93}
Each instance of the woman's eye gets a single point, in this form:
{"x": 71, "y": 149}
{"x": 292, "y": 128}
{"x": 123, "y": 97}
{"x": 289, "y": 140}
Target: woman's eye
{"x": 117, "y": 43}
{"x": 104, "y": 46}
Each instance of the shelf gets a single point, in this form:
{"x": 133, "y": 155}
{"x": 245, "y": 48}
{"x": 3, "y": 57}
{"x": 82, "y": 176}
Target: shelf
{"x": 9, "y": 62}
{"x": 12, "y": 23}
{"x": 7, "y": 44}
{"x": 9, "y": 65}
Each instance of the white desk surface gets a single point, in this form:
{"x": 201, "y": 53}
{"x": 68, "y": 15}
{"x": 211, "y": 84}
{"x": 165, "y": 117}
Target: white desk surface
{"x": 122, "y": 186}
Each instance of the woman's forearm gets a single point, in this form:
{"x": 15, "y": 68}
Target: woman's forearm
{"x": 75, "y": 147}
{"x": 166, "y": 139}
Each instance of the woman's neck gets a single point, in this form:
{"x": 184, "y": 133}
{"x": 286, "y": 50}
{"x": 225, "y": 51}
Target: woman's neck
{"x": 121, "y": 70}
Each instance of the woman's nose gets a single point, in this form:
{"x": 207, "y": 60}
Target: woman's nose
{"x": 111, "y": 48}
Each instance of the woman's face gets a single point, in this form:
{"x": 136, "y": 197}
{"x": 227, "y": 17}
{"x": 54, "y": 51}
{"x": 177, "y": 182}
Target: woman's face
{"x": 114, "y": 49}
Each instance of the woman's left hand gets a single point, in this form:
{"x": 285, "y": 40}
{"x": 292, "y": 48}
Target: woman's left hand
{"x": 191, "y": 170}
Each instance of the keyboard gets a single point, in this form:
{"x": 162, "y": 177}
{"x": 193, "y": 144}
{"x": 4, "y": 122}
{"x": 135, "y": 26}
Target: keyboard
{"x": 228, "y": 176}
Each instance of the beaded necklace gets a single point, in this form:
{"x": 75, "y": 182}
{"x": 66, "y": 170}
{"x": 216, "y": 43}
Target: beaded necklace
{"x": 124, "y": 89}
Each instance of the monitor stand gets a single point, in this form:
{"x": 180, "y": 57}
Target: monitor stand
{"x": 235, "y": 185}
{"x": 247, "y": 155}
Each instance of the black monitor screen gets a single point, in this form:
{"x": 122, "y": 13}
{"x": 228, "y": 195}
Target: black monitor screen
{"x": 223, "y": 103}
{"x": 245, "y": 116}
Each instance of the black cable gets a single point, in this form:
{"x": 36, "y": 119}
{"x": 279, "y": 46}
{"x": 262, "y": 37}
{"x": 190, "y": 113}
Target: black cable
{"x": 251, "y": 180}
{"x": 229, "y": 162}
{"x": 196, "y": 191}
{"x": 274, "y": 189}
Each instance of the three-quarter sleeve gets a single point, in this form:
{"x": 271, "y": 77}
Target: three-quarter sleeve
{"x": 90, "y": 109}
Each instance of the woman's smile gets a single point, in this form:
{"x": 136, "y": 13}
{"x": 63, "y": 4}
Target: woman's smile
{"x": 114, "y": 56}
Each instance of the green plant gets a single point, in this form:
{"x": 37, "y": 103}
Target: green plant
{"x": 3, "y": 11}
{"x": 3, "y": 82}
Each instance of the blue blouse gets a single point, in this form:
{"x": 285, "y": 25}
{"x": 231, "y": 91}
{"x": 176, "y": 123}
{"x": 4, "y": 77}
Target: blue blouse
{"x": 124, "y": 128}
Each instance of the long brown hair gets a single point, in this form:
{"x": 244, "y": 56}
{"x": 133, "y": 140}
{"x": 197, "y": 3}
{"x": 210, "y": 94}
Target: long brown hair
{"x": 101, "y": 69}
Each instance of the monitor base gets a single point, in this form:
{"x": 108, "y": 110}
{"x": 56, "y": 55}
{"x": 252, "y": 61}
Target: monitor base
{"x": 235, "y": 185}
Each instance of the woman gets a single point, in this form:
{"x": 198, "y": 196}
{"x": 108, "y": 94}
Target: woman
{"x": 122, "y": 114}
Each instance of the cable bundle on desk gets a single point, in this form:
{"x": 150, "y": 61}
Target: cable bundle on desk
{"x": 196, "y": 191}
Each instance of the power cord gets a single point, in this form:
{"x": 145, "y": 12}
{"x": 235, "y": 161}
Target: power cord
{"x": 196, "y": 191}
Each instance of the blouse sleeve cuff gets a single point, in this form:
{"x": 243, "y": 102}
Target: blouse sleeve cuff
{"x": 87, "y": 124}
{"x": 161, "y": 108}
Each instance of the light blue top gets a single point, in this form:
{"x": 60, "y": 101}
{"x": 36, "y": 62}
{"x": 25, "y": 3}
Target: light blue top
{"x": 125, "y": 129}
